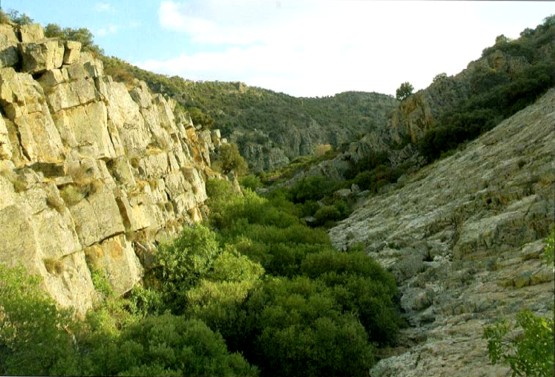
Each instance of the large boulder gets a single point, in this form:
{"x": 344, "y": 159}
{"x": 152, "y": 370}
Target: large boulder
{"x": 42, "y": 55}
{"x": 31, "y": 33}
{"x": 9, "y": 54}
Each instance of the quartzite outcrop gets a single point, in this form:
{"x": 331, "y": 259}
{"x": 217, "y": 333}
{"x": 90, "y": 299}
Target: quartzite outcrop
{"x": 92, "y": 173}
{"x": 464, "y": 237}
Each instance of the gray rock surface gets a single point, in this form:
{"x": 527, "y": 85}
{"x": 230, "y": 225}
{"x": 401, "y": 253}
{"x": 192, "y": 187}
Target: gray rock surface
{"x": 464, "y": 238}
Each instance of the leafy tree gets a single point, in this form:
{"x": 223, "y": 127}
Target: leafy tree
{"x": 166, "y": 345}
{"x": 217, "y": 300}
{"x": 251, "y": 182}
{"x": 19, "y": 18}
{"x": 529, "y": 353}
{"x": 200, "y": 118}
{"x": 298, "y": 327}
{"x": 182, "y": 263}
{"x": 229, "y": 159}
{"x": 53, "y": 31}
{"x": 35, "y": 337}
{"x": 314, "y": 188}
{"x": 404, "y": 91}
{"x": 361, "y": 286}
{"x": 439, "y": 77}
{"x": 82, "y": 35}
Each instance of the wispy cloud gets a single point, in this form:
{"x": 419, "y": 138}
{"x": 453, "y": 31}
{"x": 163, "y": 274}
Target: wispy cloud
{"x": 108, "y": 30}
{"x": 309, "y": 47}
{"x": 104, "y": 7}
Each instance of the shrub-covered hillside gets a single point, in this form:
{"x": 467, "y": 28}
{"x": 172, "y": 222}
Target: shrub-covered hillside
{"x": 509, "y": 76}
{"x": 270, "y": 128}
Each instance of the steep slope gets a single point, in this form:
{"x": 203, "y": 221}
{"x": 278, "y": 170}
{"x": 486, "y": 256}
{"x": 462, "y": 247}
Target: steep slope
{"x": 507, "y": 77}
{"x": 92, "y": 173}
{"x": 454, "y": 109}
{"x": 464, "y": 237}
{"x": 270, "y": 128}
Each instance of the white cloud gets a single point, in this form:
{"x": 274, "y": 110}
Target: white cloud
{"x": 322, "y": 47}
{"x": 108, "y": 30}
{"x": 104, "y": 7}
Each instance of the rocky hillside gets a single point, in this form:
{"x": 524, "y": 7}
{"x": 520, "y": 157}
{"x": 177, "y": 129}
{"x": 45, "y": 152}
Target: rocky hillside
{"x": 271, "y": 129}
{"x": 92, "y": 173}
{"x": 508, "y": 76}
{"x": 464, "y": 238}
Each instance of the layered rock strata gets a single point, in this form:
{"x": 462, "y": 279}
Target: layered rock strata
{"x": 92, "y": 173}
{"x": 464, "y": 238}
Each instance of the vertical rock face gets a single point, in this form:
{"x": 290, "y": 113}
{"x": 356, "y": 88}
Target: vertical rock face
{"x": 464, "y": 237}
{"x": 92, "y": 173}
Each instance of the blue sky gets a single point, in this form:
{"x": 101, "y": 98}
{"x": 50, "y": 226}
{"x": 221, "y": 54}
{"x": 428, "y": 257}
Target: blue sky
{"x": 299, "y": 47}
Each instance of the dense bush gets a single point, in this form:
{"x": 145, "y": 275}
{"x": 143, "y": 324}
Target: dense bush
{"x": 173, "y": 345}
{"x": 35, "y": 337}
{"x": 229, "y": 159}
{"x": 310, "y": 299}
{"x": 200, "y": 118}
{"x": 82, "y": 35}
{"x": 312, "y": 188}
{"x": 530, "y": 353}
{"x": 360, "y": 285}
{"x": 182, "y": 263}
{"x": 297, "y": 325}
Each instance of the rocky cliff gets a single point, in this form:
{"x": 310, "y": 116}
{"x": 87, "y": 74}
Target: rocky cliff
{"x": 93, "y": 173}
{"x": 271, "y": 129}
{"x": 464, "y": 237}
{"x": 499, "y": 81}
{"x": 508, "y": 76}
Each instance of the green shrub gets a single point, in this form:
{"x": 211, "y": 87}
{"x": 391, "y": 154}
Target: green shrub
{"x": 183, "y": 262}
{"x": 229, "y": 159}
{"x": 251, "y": 182}
{"x": 35, "y": 337}
{"x": 327, "y": 214}
{"x": 294, "y": 234}
{"x": 530, "y": 352}
{"x": 200, "y": 118}
{"x": 172, "y": 345}
{"x": 361, "y": 286}
{"x": 19, "y": 18}
{"x": 144, "y": 301}
{"x": 81, "y": 35}
{"x": 311, "y": 188}
{"x": 298, "y": 326}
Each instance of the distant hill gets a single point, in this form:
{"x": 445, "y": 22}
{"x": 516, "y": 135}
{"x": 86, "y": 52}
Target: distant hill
{"x": 270, "y": 128}
{"x": 509, "y": 76}
{"x": 453, "y": 110}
